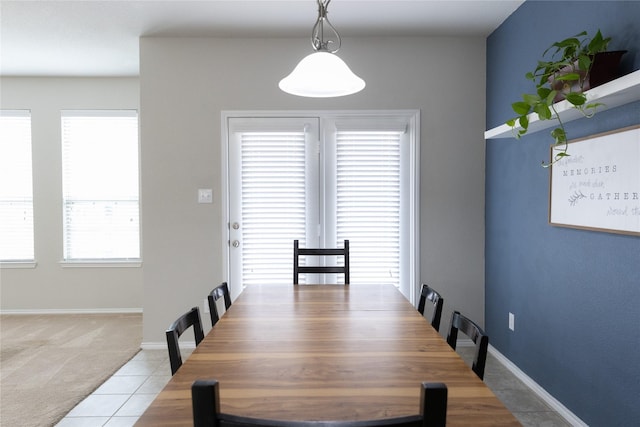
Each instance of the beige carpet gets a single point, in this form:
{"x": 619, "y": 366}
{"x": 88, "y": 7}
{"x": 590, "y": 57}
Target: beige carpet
{"x": 49, "y": 363}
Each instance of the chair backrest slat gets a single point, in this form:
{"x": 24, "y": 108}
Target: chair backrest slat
{"x": 220, "y": 291}
{"x": 298, "y": 251}
{"x": 477, "y": 335}
{"x": 428, "y": 294}
{"x": 176, "y": 329}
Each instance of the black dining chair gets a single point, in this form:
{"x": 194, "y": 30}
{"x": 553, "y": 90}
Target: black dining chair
{"x": 177, "y": 328}
{"x": 220, "y": 291}
{"x": 477, "y": 335}
{"x": 429, "y": 294}
{"x": 298, "y": 252}
{"x": 205, "y": 397}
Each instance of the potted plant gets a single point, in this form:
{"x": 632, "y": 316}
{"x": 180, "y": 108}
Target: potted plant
{"x": 575, "y": 65}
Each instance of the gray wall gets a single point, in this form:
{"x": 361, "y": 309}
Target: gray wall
{"x": 50, "y": 286}
{"x": 185, "y": 84}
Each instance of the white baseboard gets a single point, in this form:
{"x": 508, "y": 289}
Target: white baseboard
{"x": 162, "y": 345}
{"x": 464, "y": 342}
{"x": 153, "y": 345}
{"x": 74, "y": 311}
{"x": 562, "y": 410}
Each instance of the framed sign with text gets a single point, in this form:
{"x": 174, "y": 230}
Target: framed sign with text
{"x": 597, "y": 187}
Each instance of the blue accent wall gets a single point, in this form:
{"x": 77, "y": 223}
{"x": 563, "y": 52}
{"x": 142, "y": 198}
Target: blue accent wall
{"x": 575, "y": 293}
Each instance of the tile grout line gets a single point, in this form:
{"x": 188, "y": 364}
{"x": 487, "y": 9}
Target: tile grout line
{"x": 157, "y": 363}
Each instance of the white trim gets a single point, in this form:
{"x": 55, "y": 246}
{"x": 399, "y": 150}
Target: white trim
{"x": 73, "y": 311}
{"x": 316, "y": 113}
{"x": 153, "y": 345}
{"x": 562, "y": 410}
{"x": 414, "y": 210}
{"x": 224, "y": 201}
{"x": 162, "y": 345}
{"x": 18, "y": 264}
{"x": 113, "y": 112}
{"x": 15, "y": 113}
{"x": 101, "y": 264}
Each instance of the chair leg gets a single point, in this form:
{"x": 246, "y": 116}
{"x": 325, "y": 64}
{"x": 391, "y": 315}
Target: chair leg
{"x": 175, "y": 358}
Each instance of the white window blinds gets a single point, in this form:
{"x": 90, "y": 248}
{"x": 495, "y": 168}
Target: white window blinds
{"x": 368, "y": 203}
{"x": 16, "y": 187}
{"x": 100, "y": 185}
{"x": 273, "y": 203}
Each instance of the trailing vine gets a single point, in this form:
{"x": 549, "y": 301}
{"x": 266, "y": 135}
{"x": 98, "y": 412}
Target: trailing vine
{"x": 564, "y": 75}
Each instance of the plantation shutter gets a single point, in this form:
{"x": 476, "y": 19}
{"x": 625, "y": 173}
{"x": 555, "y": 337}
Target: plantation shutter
{"x": 100, "y": 185}
{"x": 16, "y": 187}
{"x": 275, "y": 163}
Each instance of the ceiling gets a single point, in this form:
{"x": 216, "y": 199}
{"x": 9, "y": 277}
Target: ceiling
{"x": 100, "y": 38}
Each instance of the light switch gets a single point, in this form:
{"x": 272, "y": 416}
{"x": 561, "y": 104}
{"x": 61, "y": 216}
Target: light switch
{"x": 205, "y": 195}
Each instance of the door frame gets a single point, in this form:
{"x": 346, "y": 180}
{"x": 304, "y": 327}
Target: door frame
{"x": 411, "y": 290}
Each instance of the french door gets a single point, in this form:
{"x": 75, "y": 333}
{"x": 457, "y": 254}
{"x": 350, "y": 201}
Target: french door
{"x": 322, "y": 179}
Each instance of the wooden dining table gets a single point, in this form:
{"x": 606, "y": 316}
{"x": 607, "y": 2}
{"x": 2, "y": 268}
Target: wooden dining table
{"x": 326, "y": 352}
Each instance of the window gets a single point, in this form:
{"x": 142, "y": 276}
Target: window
{"x": 322, "y": 180}
{"x": 16, "y": 187}
{"x": 100, "y": 185}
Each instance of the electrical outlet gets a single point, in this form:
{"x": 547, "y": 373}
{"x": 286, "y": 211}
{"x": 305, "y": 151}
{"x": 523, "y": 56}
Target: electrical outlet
{"x": 512, "y": 321}
{"x": 205, "y": 195}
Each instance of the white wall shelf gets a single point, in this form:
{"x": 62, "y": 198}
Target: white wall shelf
{"x": 613, "y": 94}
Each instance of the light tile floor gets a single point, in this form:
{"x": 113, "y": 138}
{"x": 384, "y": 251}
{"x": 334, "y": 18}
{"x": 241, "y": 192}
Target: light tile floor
{"x": 126, "y": 395}
{"x": 121, "y": 400}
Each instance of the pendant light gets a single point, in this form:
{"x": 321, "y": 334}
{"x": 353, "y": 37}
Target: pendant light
{"x": 322, "y": 74}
